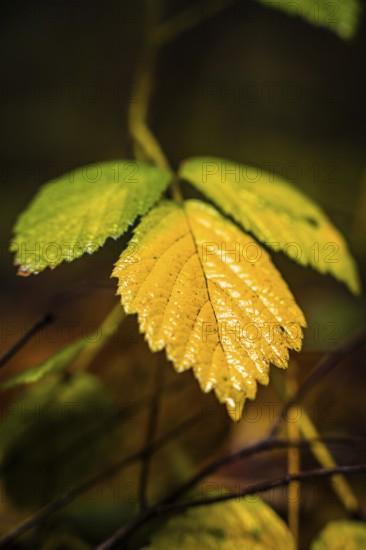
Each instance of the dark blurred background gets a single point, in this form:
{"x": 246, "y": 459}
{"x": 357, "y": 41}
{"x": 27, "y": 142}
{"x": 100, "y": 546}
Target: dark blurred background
{"x": 249, "y": 84}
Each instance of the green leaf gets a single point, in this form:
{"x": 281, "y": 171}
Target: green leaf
{"x": 341, "y": 535}
{"x": 276, "y": 213}
{"x": 340, "y": 16}
{"x": 77, "y": 212}
{"x": 56, "y": 363}
{"x": 226, "y": 526}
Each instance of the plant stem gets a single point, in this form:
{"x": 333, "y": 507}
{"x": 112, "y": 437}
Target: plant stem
{"x": 139, "y": 103}
{"x": 187, "y": 20}
{"x": 158, "y": 35}
{"x": 175, "y": 190}
{"x": 107, "y": 329}
{"x": 320, "y": 451}
{"x": 293, "y": 460}
{"x": 150, "y": 432}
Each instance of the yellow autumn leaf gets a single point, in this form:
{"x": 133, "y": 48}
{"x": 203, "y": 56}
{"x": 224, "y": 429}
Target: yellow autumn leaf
{"x": 225, "y": 314}
{"x": 276, "y": 213}
{"x": 228, "y": 525}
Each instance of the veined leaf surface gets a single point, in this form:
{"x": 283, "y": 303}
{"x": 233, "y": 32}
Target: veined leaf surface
{"x": 77, "y": 212}
{"x": 225, "y": 526}
{"x": 225, "y": 314}
{"x": 276, "y": 213}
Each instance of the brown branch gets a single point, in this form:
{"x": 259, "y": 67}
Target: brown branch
{"x": 267, "y": 485}
{"x": 70, "y": 496}
{"x": 266, "y": 443}
{"x": 164, "y": 508}
{"x": 67, "y": 498}
{"x": 324, "y": 367}
{"x": 330, "y": 361}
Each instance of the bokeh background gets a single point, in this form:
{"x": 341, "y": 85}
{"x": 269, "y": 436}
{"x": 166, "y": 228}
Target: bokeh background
{"x": 249, "y": 84}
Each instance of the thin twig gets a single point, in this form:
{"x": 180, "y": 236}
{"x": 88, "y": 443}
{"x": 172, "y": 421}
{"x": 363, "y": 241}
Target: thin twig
{"x": 321, "y": 452}
{"x": 321, "y": 369}
{"x": 70, "y": 496}
{"x": 266, "y": 443}
{"x": 341, "y": 486}
{"x": 261, "y": 487}
{"x": 150, "y": 433}
{"x": 330, "y": 361}
{"x": 253, "y": 488}
{"x": 36, "y": 327}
